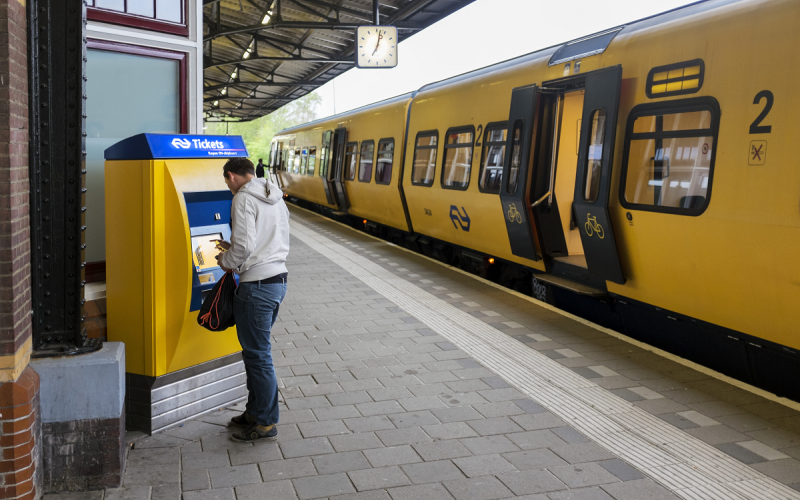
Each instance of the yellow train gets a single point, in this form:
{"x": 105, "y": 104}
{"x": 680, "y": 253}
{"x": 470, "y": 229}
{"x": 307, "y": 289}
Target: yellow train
{"x": 586, "y": 170}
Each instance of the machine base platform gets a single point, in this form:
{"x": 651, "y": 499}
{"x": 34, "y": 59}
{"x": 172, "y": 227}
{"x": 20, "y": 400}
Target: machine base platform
{"x": 154, "y": 404}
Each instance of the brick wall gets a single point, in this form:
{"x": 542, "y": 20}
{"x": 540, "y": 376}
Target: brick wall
{"x": 83, "y": 455}
{"x": 15, "y": 296}
{"x": 20, "y": 435}
{"x": 20, "y": 428}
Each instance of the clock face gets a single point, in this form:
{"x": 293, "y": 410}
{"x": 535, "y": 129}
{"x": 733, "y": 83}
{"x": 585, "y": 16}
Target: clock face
{"x": 376, "y": 47}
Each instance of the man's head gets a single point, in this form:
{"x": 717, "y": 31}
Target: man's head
{"x": 238, "y": 172}
{"x": 260, "y": 160}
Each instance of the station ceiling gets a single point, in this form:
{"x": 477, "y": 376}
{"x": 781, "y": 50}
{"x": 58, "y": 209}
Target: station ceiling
{"x": 262, "y": 54}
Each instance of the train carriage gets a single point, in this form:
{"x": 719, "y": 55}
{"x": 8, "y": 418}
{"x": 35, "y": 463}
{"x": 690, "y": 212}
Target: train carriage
{"x": 644, "y": 175}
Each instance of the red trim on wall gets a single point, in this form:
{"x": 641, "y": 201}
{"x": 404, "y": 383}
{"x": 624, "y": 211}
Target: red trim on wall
{"x": 157, "y": 53}
{"x": 121, "y": 18}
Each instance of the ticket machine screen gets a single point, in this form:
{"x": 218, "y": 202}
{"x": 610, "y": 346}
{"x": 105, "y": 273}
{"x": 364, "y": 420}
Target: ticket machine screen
{"x": 204, "y": 251}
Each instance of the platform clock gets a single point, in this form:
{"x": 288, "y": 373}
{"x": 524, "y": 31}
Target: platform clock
{"x": 376, "y": 46}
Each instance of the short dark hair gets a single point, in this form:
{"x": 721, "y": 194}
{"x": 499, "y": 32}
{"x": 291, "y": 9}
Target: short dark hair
{"x": 239, "y": 166}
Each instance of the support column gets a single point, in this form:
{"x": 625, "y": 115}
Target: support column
{"x": 20, "y": 429}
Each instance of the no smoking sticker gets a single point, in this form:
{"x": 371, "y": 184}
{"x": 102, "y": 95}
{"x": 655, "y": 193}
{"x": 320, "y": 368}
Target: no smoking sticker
{"x": 758, "y": 153}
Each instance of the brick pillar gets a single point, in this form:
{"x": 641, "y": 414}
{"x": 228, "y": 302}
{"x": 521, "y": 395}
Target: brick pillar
{"x": 19, "y": 384}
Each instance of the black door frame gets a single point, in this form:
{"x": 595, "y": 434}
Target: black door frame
{"x": 340, "y": 141}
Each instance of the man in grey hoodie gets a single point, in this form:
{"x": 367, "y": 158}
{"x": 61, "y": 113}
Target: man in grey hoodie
{"x": 257, "y": 252}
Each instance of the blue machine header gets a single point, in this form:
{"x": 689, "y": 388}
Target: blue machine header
{"x": 162, "y": 146}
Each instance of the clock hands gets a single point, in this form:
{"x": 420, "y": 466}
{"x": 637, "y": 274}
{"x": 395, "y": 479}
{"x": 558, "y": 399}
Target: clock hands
{"x": 380, "y": 37}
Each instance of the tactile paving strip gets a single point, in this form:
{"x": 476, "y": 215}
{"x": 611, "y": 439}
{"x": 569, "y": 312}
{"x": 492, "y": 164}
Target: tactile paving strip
{"x": 684, "y": 464}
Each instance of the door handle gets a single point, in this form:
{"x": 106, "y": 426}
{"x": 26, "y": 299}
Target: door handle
{"x": 540, "y": 200}
{"x": 554, "y": 156}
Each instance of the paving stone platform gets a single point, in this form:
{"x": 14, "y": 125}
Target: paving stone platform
{"x": 376, "y": 405}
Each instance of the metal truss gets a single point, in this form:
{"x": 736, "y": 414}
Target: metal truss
{"x": 315, "y": 38}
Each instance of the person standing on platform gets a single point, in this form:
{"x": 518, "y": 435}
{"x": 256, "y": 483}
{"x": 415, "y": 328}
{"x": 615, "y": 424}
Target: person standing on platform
{"x": 257, "y": 252}
{"x": 260, "y": 169}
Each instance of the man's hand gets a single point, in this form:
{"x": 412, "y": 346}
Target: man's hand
{"x": 219, "y": 260}
{"x": 222, "y": 244}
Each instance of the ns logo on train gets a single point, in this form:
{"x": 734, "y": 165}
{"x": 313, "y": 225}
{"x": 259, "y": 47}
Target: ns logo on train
{"x": 459, "y": 219}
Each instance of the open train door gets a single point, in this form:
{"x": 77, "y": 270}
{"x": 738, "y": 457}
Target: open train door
{"x": 516, "y": 168}
{"x": 324, "y": 164}
{"x": 340, "y": 143}
{"x": 593, "y": 182}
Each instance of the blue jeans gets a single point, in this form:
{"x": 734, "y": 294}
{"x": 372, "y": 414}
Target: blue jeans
{"x": 255, "y": 309}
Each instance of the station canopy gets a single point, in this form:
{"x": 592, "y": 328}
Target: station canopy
{"x": 259, "y": 55}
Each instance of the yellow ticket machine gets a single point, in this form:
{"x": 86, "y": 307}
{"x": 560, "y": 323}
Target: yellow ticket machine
{"x": 166, "y": 201}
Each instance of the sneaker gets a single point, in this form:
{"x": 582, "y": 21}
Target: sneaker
{"x": 255, "y": 432}
{"x": 242, "y": 420}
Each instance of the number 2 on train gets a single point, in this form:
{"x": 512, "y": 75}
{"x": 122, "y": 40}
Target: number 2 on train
{"x": 756, "y": 127}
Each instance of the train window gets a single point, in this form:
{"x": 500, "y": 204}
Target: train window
{"x": 424, "y": 167}
{"x": 516, "y": 153}
{"x": 457, "y": 158}
{"x": 594, "y": 157}
{"x": 350, "y": 161}
{"x": 383, "y": 170}
{"x": 304, "y": 161}
{"x": 290, "y": 161}
{"x": 296, "y": 165}
{"x": 324, "y": 155}
{"x": 365, "y": 165}
{"x": 669, "y": 156}
{"x": 494, "y": 151}
{"x": 312, "y": 161}
{"x": 284, "y": 155}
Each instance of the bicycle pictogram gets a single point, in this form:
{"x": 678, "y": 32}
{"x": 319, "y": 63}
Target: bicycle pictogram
{"x": 592, "y": 226}
{"x": 513, "y": 214}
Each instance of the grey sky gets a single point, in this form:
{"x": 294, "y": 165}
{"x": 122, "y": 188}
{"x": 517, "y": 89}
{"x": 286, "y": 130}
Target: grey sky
{"x": 483, "y": 33}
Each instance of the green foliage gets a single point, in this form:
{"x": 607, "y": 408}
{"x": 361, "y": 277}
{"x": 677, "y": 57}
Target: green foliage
{"x": 258, "y": 133}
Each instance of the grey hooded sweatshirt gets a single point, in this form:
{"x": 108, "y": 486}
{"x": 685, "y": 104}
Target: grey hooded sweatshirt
{"x": 260, "y": 235}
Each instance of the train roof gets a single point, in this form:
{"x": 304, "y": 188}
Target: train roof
{"x": 592, "y": 44}
{"x": 391, "y": 100}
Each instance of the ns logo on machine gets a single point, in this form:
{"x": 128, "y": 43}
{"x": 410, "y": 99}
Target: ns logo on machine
{"x": 181, "y": 143}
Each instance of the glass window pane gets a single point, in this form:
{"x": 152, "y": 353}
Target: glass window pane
{"x": 304, "y": 161}
{"x": 365, "y": 167}
{"x": 669, "y": 172}
{"x": 694, "y": 120}
{"x": 296, "y": 165}
{"x": 169, "y": 10}
{"x": 516, "y": 152}
{"x": 323, "y": 160}
{"x": 427, "y": 140}
{"x": 424, "y": 167}
{"x": 383, "y": 170}
{"x": 497, "y": 135}
{"x": 350, "y": 161}
{"x": 460, "y": 138}
{"x": 312, "y": 160}
{"x": 493, "y": 154}
{"x": 118, "y": 5}
{"x": 457, "y": 165}
{"x": 144, "y": 8}
{"x": 594, "y": 157}
{"x": 492, "y": 170}
{"x": 128, "y": 95}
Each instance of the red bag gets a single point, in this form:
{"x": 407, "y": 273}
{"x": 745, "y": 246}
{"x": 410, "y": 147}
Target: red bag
{"x": 216, "y": 313}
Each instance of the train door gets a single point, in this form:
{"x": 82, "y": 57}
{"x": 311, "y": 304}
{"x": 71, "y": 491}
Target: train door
{"x": 340, "y": 144}
{"x": 593, "y": 183}
{"x": 324, "y": 166}
{"x": 554, "y": 172}
{"x": 513, "y": 193}
{"x": 575, "y": 123}
{"x": 277, "y": 163}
